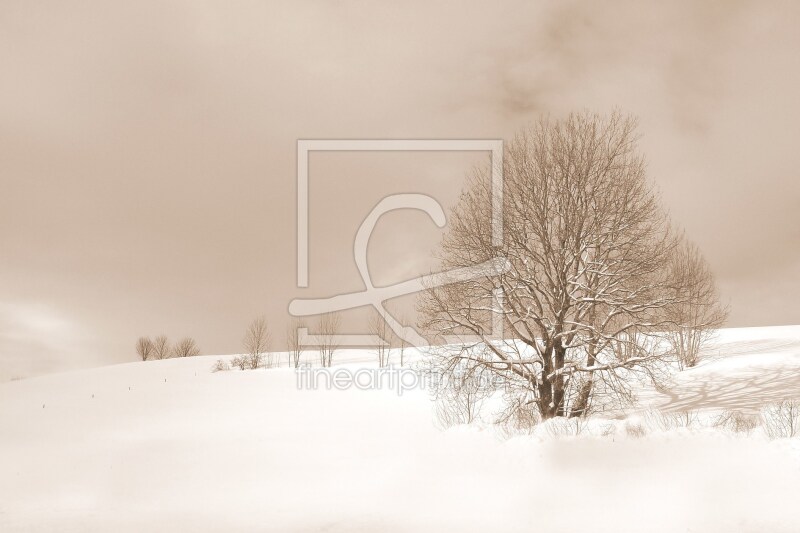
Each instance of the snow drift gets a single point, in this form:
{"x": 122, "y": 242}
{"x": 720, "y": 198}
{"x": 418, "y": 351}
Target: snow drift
{"x": 171, "y": 446}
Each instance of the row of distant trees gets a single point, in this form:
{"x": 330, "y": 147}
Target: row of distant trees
{"x": 328, "y": 329}
{"x": 256, "y": 342}
{"x": 160, "y": 348}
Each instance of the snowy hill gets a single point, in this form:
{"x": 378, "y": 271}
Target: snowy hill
{"x": 171, "y": 446}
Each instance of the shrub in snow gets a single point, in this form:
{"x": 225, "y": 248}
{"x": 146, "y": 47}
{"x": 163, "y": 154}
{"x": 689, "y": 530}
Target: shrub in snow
{"x": 662, "y": 421}
{"x": 635, "y": 428}
{"x": 460, "y": 397}
{"x": 220, "y": 366}
{"x": 781, "y": 419}
{"x": 737, "y": 421}
{"x": 255, "y": 360}
{"x": 564, "y": 427}
{"x": 240, "y": 361}
{"x": 457, "y": 408}
{"x": 520, "y": 416}
{"x": 608, "y": 430}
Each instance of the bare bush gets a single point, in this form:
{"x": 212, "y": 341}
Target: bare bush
{"x": 161, "y": 347}
{"x": 328, "y": 327}
{"x": 737, "y": 421}
{"x": 459, "y": 395}
{"x": 666, "y": 421}
{"x": 608, "y": 430}
{"x": 144, "y": 348}
{"x": 241, "y": 361}
{"x": 186, "y": 347}
{"x": 256, "y": 344}
{"x": 589, "y": 281}
{"x": 635, "y": 429}
{"x": 221, "y": 366}
{"x": 565, "y": 427}
{"x": 519, "y": 416}
{"x": 781, "y": 419}
{"x": 457, "y": 407}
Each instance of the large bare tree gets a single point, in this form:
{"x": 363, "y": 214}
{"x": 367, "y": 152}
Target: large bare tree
{"x": 590, "y": 276}
{"x": 256, "y": 343}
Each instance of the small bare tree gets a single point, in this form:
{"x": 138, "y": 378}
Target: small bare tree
{"x": 293, "y": 342}
{"x": 161, "y": 347}
{"x": 144, "y": 348}
{"x": 186, "y": 347}
{"x": 328, "y": 328}
{"x": 401, "y": 343}
{"x": 256, "y": 344}
{"x": 694, "y": 318}
{"x": 379, "y": 328}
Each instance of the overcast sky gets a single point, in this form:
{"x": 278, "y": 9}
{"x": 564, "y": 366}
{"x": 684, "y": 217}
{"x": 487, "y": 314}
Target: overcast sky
{"x": 147, "y": 150}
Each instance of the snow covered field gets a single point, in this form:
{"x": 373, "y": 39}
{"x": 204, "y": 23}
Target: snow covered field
{"x": 170, "y": 446}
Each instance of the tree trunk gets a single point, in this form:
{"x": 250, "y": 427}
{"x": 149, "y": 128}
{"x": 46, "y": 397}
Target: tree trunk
{"x": 582, "y": 403}
{"x": 559, "y": 353}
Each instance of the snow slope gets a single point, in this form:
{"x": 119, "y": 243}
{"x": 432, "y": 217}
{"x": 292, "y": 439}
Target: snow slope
{"x": 742, "y": 369}
{"x": 170, "y": 446}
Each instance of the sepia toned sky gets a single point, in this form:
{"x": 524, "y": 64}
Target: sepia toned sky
{"x": 147, "y": 149}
